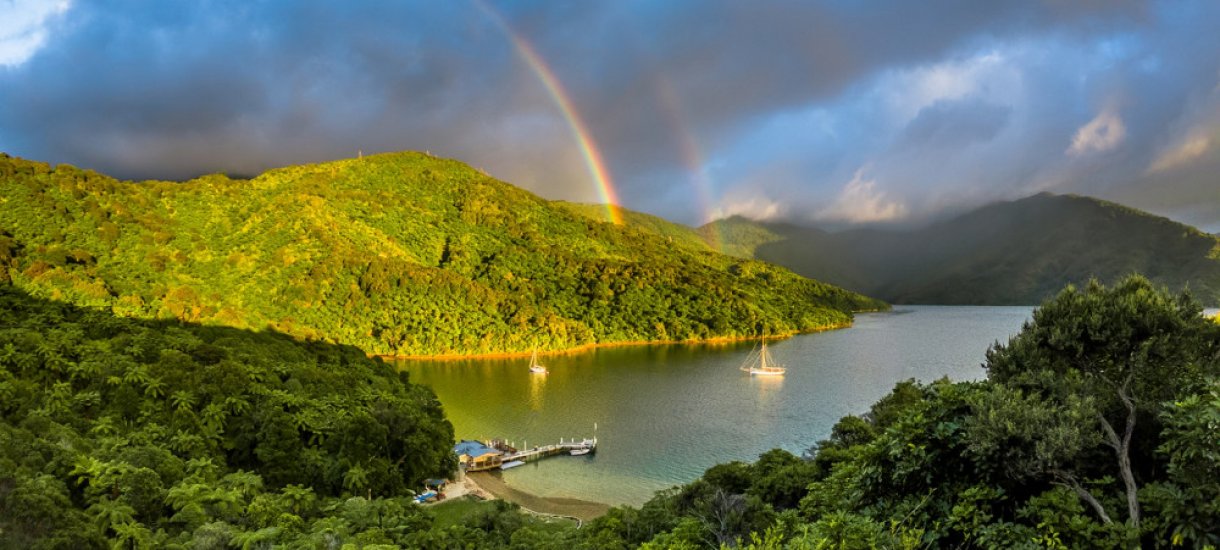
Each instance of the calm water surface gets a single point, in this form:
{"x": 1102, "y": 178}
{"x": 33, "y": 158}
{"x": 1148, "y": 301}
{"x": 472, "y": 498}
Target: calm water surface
{"x": 665, "y": 414}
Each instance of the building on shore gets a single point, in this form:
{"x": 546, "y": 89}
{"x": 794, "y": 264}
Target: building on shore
{"x": 474, "y": 456}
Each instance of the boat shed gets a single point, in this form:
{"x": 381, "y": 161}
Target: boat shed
{"x": 475, "y": 456}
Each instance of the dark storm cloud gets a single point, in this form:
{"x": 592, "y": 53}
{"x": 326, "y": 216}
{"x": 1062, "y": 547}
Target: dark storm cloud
{"x": 795, "y": 103}
{"x": 193, "y": 87}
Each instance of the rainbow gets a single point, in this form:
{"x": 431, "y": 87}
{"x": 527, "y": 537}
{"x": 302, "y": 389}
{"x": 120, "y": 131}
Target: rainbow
{"x": 584, "y": 138}
{"x": 691, "y": 159}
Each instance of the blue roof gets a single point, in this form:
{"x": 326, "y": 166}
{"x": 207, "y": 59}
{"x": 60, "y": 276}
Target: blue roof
{"x": 472, "y": 448}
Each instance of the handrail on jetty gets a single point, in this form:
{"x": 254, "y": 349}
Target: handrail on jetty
{"x": 535, "y": 453}
{"x": 499, "y": 454}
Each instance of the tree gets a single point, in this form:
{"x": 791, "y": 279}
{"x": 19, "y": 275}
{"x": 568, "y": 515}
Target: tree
{"x": 132, "y": 535}
{"x": 1127, "y": 348}
{"x": 356, "y": 479}
{"x": 108, "y": 513}
{"x": 1189, "y": 510}
{"x": 1032, "y": 437}
{"x": 188, "y": 500}
{"x": 251, "y": 540}
{"x": 300, "y": 499}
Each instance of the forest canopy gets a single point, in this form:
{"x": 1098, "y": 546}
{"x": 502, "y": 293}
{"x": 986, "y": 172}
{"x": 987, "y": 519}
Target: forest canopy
{"x": 403, "y": 254}
{"x": 1095, "y": 427}
{"x": 155, "y": 432}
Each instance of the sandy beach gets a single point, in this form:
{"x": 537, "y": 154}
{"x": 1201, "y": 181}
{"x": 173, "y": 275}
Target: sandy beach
{"x": 576, "y": 350}
{"x": 485, "y": 483}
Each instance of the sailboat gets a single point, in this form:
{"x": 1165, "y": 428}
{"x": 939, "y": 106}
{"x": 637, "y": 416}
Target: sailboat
{"x": 764, "y": 365}
{"x": 535, "y": 367}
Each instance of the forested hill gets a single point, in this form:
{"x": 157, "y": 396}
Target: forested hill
{"x": 1017, "y": 252}
{"x": 130, "y": 433}
{"x": 398, "y": 253}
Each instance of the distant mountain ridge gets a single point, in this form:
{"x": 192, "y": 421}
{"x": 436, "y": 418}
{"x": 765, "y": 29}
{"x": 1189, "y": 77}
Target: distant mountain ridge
{"x": 399, "y": 254}
{"x": 1014, "y": 252}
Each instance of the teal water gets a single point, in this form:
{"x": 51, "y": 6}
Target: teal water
{"x": 664, "y": 414}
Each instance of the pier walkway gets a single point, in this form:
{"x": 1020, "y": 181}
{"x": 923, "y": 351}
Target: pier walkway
{"x": 498, "y": 454}
{"x": 526, "y": 455}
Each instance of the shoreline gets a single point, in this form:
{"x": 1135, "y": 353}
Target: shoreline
{"x": 719, "y": 340}
{"x": 580, "y": 510}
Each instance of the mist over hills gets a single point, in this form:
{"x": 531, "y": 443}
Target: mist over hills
{"x": 401, "y": 253}
{"x": 1015, "y": 252}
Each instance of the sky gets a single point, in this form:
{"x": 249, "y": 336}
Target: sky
{"x": 832, "y": 113}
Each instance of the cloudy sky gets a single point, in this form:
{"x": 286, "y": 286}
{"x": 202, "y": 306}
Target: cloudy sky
{"x": 832, "y": 112}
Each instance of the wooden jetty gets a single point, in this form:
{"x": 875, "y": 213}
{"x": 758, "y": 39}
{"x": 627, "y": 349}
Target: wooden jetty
{"x": 499, "y": 454}
{"x": 526, "y": 455}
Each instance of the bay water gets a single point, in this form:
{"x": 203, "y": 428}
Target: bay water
{"x": 666, "y": 413}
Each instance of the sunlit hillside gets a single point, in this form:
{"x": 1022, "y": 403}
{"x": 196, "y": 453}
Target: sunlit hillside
{"x": 397, "y": 253}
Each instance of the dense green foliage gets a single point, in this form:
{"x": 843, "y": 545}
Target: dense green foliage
{"x": 741, "y": 237}
{"x": 1097, "y": 424}
{"x": 1097, "y": 427}
{"x": 675, "y": 234}
{"x": 1018, "y": 252}
{"x": 397, "y": 254}
{"x": 734, "y": 236}
{"x": 114, "y": 428}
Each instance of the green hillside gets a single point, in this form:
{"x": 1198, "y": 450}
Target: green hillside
{"x": 125, "y": 433}
{"x": 1017, "y": 252}
{"x": 675, "y": 234}
{"x": 398, "y": 254}
{"x": 735, "y": 236}
{"x": 738, "y": 236}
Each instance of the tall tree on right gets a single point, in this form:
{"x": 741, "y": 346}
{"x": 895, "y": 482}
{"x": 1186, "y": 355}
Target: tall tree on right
{"x": 1110, "y": 357}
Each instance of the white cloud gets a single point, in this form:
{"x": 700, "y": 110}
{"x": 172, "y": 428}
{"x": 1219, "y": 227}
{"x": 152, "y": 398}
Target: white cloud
{"x": 755, "y": 207}
{"x": 908, "y": 91}
{"x": 1183, "y": 153}
{"x": 861, "y": 202}
{"x": 23, "y": 27}
{"x": 1105, "y": 132}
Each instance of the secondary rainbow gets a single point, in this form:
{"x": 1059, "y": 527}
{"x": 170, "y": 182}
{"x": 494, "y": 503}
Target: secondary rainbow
{"x": 588, "y": 147}
{"x": 691, "y": 160}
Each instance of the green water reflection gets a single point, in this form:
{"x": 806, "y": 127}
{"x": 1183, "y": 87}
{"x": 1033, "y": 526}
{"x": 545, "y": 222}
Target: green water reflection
{"x": 666, "y": 413}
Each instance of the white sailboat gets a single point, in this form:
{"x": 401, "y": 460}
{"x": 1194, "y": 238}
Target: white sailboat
{"x": 764, "y": 365}
{"x": 535, "y": 367}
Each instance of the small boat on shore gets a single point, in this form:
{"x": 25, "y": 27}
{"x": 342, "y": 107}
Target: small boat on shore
{"x": 536, "y": 367}
{"x": 762, "y": 364}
